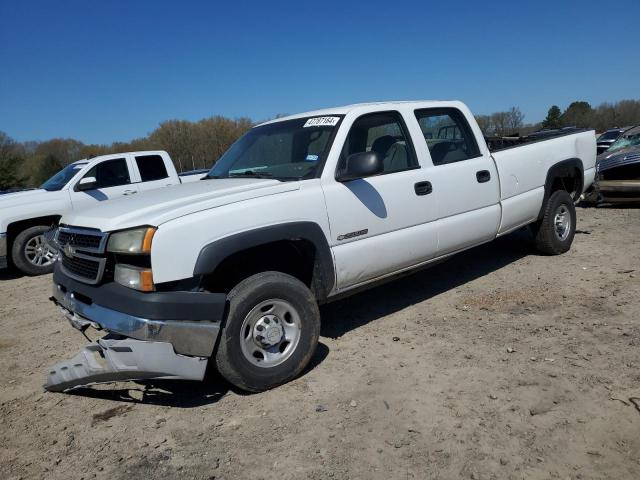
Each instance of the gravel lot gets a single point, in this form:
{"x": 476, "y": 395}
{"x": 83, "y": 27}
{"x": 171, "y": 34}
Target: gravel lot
{"x": 496, "y": 364}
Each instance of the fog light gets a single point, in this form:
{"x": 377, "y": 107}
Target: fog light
{"x": 134, "y": 277}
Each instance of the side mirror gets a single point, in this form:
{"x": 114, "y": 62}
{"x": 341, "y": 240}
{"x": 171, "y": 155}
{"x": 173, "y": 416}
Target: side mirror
{"x": 361, "y": 165}
{"x": 87, "y": 183}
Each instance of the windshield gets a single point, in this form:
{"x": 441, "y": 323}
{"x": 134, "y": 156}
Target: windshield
{"x": 61, "y": 178}
{"x": 625, "y": 141}
{"x": 612, "y": 135}
{"x": 287, "y": 150}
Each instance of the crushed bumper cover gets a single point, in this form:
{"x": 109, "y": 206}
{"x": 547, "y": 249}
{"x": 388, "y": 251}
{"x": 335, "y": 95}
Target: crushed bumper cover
{"x": 187, "y": 320}
{"x": 110, "y": 359}
{"x": 168, "y": 335}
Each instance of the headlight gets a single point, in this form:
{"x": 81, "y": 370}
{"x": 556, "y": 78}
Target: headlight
{"x": 137, "y": 240}
{"x": 134, "y": 277}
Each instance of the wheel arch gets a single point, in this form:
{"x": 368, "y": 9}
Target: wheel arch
{"x": 307, "y": 235}
{"x": 15, "y": 227}
{"x": 566, "y": 175}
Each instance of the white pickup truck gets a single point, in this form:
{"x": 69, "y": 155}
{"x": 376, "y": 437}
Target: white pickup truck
{"x": 26, "y": 216}
{"x": 299, "y": 211}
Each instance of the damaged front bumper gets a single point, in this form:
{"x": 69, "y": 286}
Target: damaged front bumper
{"x": 173, "y": 339}
{"x": 112, "y": 359}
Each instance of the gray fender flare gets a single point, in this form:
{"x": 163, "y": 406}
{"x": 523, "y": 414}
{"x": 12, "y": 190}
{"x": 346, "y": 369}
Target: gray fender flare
{"x": 214, "y": 253}
{"x": 562, "y": 169}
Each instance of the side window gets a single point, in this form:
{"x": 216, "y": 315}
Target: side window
{"x": 111, "y": 173}
{"x": 383, "y": 133}
{"x": 151, "y": 167}
{"x": 448, "y": 135}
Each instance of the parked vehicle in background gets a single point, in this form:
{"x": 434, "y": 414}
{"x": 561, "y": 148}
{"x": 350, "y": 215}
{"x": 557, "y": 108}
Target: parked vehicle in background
{"x": 299, "y": 211}
{"x": 26, "y": 216}
{"x": 618, "y": 171}
{"x": 605, "y": 140}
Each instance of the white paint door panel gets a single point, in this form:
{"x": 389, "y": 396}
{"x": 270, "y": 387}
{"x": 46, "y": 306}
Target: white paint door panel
{"x": 468, "y": 229}
{"x": 373, "y": 257}
{"x": 393, "y": 215}
{"x": 474, "y": 204}
{"x": 120, "y": 176}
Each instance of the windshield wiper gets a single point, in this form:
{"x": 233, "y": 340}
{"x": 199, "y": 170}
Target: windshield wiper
{"x": 251, "y": 174}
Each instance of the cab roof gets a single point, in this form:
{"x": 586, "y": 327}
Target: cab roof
{"x": 370, "y": 106}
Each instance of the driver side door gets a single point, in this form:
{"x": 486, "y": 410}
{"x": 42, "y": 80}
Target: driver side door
{"x": 383, "y": 223}
{"x": 113, "y": 179}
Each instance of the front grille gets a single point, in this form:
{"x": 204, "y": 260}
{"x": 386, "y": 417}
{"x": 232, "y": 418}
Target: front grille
{"x": 81, "y": 267}
{"x": 80, "y": 240}
{"x": 82, "y": 253}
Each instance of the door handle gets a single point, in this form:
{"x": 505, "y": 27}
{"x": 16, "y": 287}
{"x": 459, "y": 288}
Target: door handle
{"x": 423, "y": 188}
{"x": 483, "y": 176}
{"x": 130, "y": 192}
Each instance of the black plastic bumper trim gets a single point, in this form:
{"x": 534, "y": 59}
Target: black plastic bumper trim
{"x": 191, "y": 306}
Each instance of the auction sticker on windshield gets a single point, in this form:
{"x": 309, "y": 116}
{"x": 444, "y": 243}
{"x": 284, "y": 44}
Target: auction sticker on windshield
{"x": 322, "y": 122}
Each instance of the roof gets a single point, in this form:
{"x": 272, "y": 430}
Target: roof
{"x": 120, "y": 154}
{"x": 344, "y": 110}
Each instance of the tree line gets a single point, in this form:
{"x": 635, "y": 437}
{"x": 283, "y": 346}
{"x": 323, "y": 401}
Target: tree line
{"x": 199, "y": 144}
{"x": 578, "y": 114}
{"x": 603, "y": 117}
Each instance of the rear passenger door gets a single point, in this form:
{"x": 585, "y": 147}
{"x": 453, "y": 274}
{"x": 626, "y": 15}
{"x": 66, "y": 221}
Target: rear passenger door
{"x": 113, "y": 180}
{"x": 465, "y": 181}
{"x": 384, "y": 223}
{"x": 152, "y": 172}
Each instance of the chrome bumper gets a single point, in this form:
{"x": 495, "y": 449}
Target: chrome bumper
{"x": 3, "y": 250}
{"x": 187, "y": 338}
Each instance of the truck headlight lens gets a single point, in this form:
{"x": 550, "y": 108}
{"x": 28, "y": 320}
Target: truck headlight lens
{"x": 137, "y": 240}
{"x": 134, "y": 277}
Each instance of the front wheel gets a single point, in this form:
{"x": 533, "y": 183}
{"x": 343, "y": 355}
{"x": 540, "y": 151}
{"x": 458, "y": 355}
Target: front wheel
{"x": 31, "y": 253}
{"x": 554, "y": 233}
{"x": 271, "y": 331}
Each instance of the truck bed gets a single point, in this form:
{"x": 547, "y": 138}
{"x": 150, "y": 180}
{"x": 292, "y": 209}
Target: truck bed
{"x": 496, "y": 144}
{"x": 523, "y": 168}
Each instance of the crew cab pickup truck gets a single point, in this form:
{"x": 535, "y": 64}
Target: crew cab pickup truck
{"x": 26, "y": 216}
{"x": 299, "y": 211}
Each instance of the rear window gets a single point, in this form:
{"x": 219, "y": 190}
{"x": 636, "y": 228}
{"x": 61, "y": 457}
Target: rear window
{"x": 151, "y": 168}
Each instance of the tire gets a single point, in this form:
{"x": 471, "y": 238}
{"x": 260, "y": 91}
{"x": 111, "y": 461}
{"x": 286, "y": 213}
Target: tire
{"x": 554, "y": 233}
{"x": 30, "y": 253}
{"x": 263, "y": 308}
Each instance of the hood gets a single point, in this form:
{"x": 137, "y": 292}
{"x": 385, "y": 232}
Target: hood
{"x": 625, "y": 156}
{"x": 156, "y": 207}
{"x": 17, "y": 199}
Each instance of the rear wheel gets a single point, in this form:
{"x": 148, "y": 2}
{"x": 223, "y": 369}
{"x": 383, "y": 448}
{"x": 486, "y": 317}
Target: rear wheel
{"x": 554, "y": 233}
{"x": 271, "y": 331}
{"x": 31, "y": 253}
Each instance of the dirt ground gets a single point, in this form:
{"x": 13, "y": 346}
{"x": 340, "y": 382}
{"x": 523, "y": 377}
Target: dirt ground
{"x": 496, "y": 364}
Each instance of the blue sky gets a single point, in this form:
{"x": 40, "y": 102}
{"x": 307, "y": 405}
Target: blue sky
{"x": 112, "y": 70}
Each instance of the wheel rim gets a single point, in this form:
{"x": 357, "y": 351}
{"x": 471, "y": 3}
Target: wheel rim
{"x": 562, "y": 222}
{"x": 270, "y": 333}
{"x": 38, "y": 253}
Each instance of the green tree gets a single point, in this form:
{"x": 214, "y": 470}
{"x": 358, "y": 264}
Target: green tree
{"x": 46, "y": 168}
{"x": 578, "y": 114}
{"x": 9, "y": 177}
{"x": 9, "y": 163}
{"x": 553, "y": 118}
